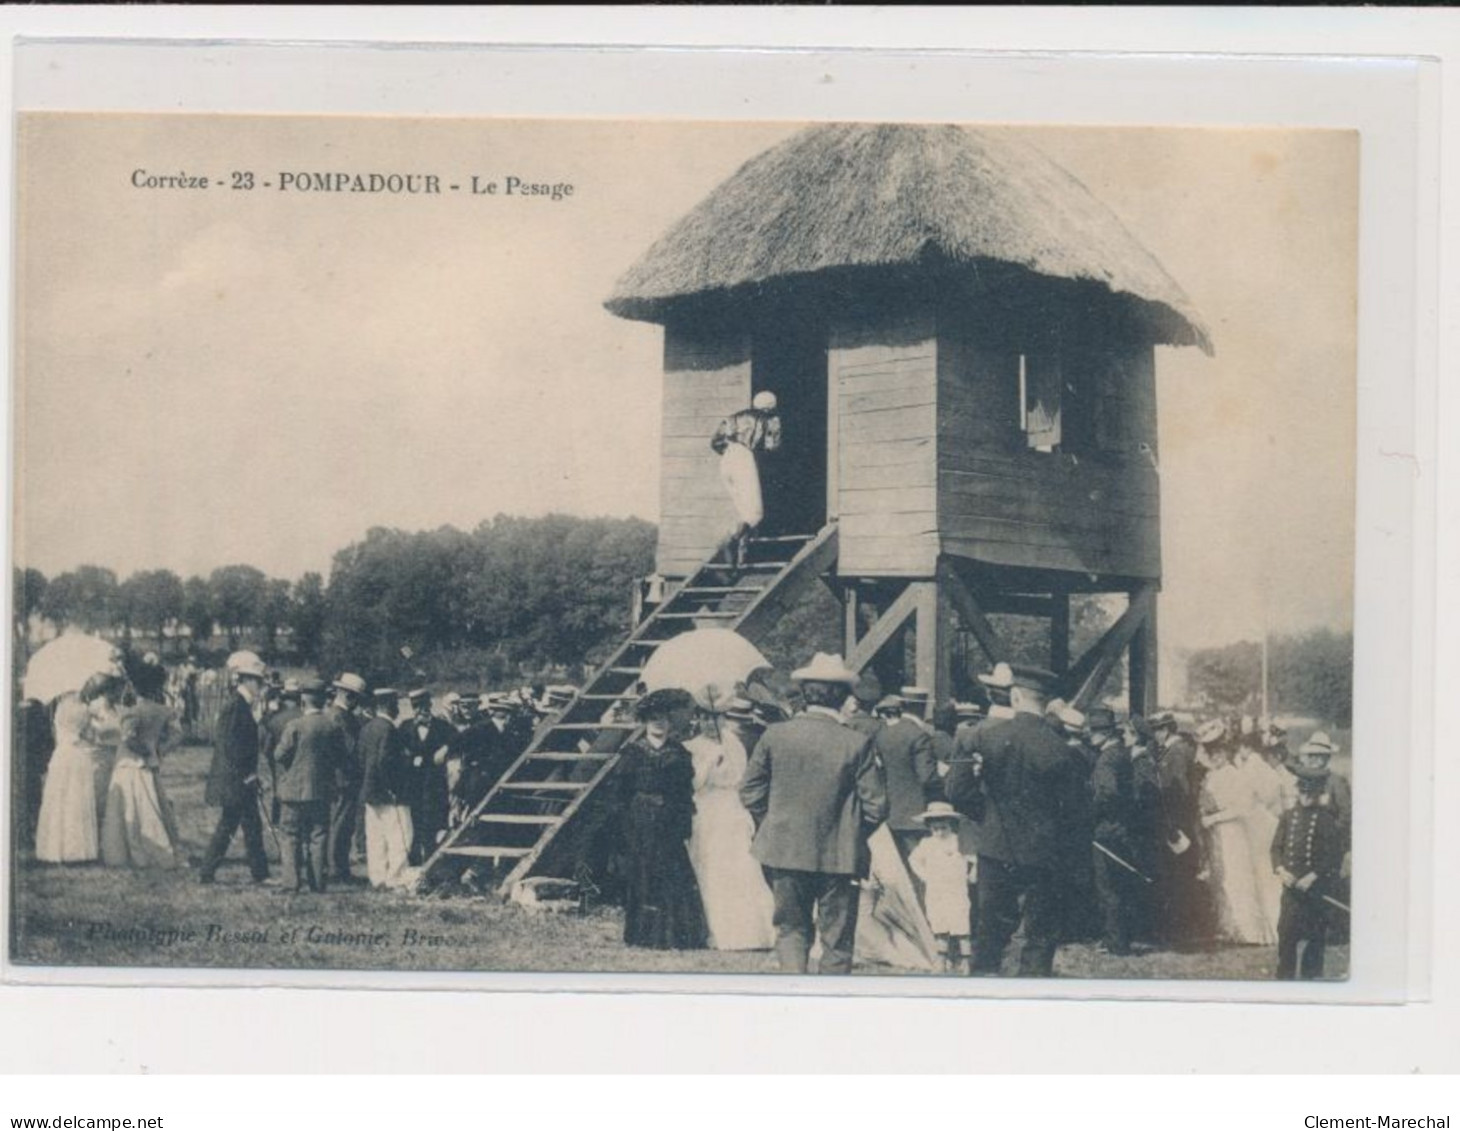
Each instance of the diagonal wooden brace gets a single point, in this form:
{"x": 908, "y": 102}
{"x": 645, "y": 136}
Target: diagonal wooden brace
{"x": 971, "y": 614}
{"x": 1088, "y": 676}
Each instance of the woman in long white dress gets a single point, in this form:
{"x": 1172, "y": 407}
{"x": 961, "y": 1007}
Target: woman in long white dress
{"x": 138, "y": 830}
{"x": 67, "y": 831}
{"x": 1265, "y": 785}
{"x": 1227, "y": 805}
{"x": 737, "y": 902}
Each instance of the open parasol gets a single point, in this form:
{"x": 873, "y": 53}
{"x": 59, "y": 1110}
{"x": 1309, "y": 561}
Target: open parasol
{"x": 66, "y": 663}
{"x": 707, "y": 662}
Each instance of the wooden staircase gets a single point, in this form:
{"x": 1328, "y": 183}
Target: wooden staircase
{"x": 507, "y": 835}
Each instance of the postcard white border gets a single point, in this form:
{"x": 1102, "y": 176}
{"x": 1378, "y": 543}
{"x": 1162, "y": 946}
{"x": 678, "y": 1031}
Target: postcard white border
{"x": 1392, "y": 101}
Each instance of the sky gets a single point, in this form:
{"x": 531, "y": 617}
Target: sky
{"x": 260, "y": 376}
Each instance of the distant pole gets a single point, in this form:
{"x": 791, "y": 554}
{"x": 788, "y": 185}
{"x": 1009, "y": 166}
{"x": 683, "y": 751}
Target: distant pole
{"x": 1265, "y": 712}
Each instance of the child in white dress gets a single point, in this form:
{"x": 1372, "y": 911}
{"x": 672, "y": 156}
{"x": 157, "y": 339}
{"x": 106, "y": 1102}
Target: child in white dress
{"x": 943, "y": 869}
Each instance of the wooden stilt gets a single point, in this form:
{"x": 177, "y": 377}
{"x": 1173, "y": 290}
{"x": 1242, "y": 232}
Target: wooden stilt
{"x": 1059, "y": 633}
{"x": 962, "y": 599}
{"x": 1143, "y": 690}
{"x": 934, "y": 667}
{"x": 850, "y": 625}
{"x": 888, "y": 626}
{"x": 1088, "y": 676}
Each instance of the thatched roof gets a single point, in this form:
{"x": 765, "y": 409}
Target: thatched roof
{"x": 849, "y": 196}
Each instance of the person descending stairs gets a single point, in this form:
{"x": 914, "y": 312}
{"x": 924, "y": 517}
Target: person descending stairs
{"x": 507, "y": 836}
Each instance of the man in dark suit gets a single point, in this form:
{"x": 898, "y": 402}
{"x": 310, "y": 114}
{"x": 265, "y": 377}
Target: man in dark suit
{"x": 1112, "y": 790}
{"x": 905, "y": 751}
{"x": 387, "y": 794}
{"x": 311, "y": 751}
{"x": 1021, "y": 785}
{"x": 270, "y": 731}
{"x": 1182, "y": 910}
{"x": 426, "y": 739}
{"x": 233, "y": 777}
{"x": 815, "y": 792}
{"x": 349, "y": 694}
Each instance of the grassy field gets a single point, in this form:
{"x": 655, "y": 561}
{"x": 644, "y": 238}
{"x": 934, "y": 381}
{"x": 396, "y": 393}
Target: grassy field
{"x": 88, "y": 915}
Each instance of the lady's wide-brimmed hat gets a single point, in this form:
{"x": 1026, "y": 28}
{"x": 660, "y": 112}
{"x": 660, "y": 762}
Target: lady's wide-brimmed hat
{"x": 826, "y": 668}
{"x": 1002, "y": 676}
{"x": 663, "y": 703}
{"x": 1210, "y": 732}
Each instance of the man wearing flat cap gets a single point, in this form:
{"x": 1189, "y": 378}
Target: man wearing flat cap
{"x": 309, "y": 756}
{"x": 1021, "y": 785}
{"x": 815, "y": 792}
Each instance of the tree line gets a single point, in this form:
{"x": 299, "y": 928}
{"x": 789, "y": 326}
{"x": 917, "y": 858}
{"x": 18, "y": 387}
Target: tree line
{"x": 514, "y": 593}
{"x": 1309, "y": 673}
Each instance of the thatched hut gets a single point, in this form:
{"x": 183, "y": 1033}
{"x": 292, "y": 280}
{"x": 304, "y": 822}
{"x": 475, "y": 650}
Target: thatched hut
{"x": 962, "y": 340}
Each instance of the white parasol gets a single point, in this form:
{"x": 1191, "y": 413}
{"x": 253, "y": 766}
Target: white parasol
{"x": 706, "y": 662}
{"x": 66, "y": 663}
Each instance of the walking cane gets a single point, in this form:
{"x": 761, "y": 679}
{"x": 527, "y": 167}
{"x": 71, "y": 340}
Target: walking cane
{"x": 258, "y": 798}
{"x": 1335, "y": 903}
{"x": 1124, "y": 864}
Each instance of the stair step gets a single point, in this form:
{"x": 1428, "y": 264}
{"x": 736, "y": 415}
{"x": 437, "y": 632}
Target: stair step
{"x": 780, "y": 538}
{"x": 516, "y": 819}
{"x": 489, "y": 850}
{"x": 695, "y": 616}
{"x": 723, "y": 589}
{"x": 629, "y": 671}
{"x": 778, "y": 566}
{"x": 564, "y": 786}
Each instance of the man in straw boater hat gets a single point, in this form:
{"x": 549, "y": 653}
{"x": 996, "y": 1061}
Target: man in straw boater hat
{"x": 1021, "y": 784}
{"x": 740, "y": 440}
{"x": 815, "y": 792}
{"x": 1308, "y": 851}
{"x": 233, "y": 777}
{"x": 309, "y": 755}
{"x": 350, "y": 692}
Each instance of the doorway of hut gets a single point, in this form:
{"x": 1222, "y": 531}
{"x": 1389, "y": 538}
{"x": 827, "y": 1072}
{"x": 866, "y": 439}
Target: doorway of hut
{"x": 789, "y": 359}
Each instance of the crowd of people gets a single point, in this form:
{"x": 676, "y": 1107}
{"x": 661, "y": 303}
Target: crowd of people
{"x": 757, "y": 826}
{"x": 1017, "y": 815}
{"x": 336, "y": 773}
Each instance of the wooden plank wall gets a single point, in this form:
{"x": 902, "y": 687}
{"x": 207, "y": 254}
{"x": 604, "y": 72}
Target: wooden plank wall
{"x": 883, "y": 373}
{"x": 1002, "y": 503}
{"x": 706, "y": 378}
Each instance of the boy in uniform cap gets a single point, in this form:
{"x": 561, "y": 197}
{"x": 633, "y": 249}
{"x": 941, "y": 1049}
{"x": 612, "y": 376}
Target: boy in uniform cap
{"x": 815, "y": 792}
{"x": 1020, "y": 784}
{"x": 1307, "y": 854}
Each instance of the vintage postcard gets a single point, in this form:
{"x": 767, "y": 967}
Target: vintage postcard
{"x": 685, "y": 548}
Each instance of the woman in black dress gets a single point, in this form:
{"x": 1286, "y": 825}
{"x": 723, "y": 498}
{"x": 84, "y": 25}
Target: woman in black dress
{"x": 662, "y": 908}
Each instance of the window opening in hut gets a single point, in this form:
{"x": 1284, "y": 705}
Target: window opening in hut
{"x": 1039, "y": 400}
{"x": 789, "y": 359}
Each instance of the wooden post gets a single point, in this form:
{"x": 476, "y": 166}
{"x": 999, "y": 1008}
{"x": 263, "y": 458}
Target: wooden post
{"x": 1144, "y": 696}
{"x": 969, "y": 612}
{"x": 850, "y": 616}
{"x": 934, "y": 669}
{"x": 1059, "y": 634}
